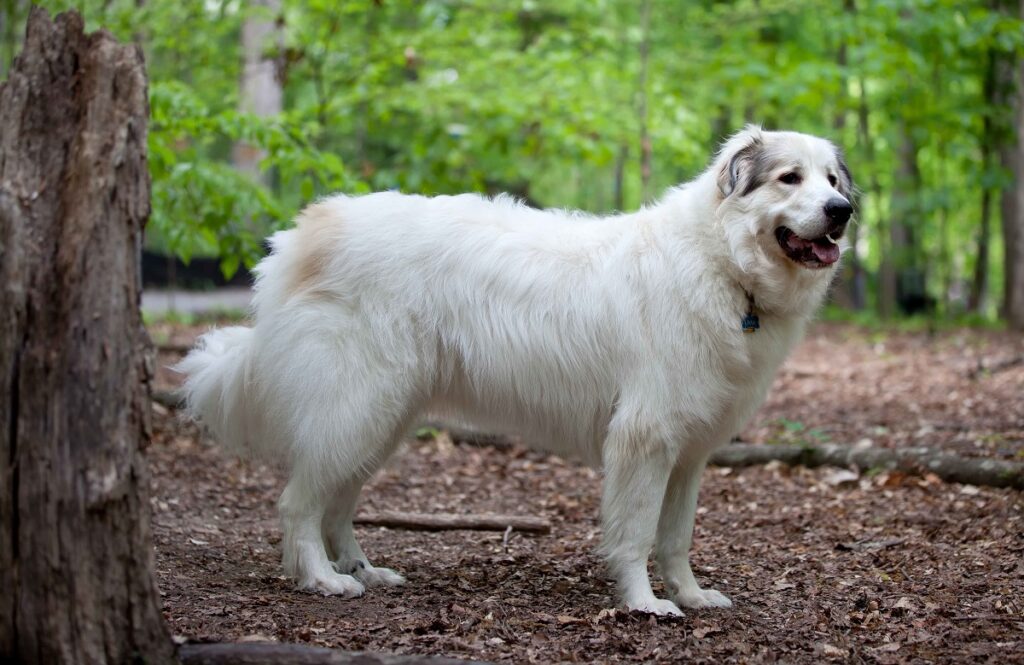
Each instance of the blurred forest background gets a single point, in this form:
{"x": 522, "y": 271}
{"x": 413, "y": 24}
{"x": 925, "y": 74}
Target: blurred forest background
{"x": 259, "y": 106}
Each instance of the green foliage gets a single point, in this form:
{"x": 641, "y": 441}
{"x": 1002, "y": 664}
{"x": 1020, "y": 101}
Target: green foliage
{"x": 543, "y": 99}
{"x": 175, "y": 317}
{"x": 795, "y": 432}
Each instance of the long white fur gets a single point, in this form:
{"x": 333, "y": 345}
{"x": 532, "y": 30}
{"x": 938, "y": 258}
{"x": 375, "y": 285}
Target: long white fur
{"x": 613, "y": 339}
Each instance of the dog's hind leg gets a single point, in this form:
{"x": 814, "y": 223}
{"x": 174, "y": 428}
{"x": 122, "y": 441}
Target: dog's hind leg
{"x": 341, "y": 543}
{"x": 345, "y": 397}
{"x": 302, "y": 507}
{"x": 675, "y": 535}
{"x": 636, "y": 474}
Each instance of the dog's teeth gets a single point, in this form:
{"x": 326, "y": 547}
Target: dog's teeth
{"x": 831, "y": 239}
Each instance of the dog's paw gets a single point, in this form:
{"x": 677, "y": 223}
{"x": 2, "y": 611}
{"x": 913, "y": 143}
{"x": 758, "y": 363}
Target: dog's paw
{"x": 333, "y": 584}
{"x": 658, "y": 606}
{"x": 367, "y": 574}
{"x": 371, "y": 576}
{"x": 703, "y": 598}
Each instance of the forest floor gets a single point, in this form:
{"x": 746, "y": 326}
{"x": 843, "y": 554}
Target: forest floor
{"x": 882, "y": 567}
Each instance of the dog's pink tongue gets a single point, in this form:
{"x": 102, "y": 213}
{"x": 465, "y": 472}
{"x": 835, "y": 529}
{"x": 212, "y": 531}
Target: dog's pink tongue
{"x": 825, "y": 251}
{"x": 797, "y": 243}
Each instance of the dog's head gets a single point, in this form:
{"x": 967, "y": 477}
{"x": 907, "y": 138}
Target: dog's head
{"x": 786, "y": 198}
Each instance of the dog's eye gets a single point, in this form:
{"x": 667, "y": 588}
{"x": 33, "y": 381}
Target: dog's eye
{"x": 791, "y": 178}
{"x": 832, "y": 180}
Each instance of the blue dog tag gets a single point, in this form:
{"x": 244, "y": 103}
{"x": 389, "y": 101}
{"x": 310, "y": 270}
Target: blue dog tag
{"x": 750, "y": 323}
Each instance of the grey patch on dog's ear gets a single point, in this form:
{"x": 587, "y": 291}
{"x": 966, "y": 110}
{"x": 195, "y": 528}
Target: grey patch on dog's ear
{"x": 744, "y": 170}
{"x": 845, "y": 183}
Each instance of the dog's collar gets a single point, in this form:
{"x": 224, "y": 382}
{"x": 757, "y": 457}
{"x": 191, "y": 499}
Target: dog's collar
{"x": 750, "y": 323}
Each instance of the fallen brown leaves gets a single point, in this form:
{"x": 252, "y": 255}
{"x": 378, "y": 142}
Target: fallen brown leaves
{"x": 822, "y": 566}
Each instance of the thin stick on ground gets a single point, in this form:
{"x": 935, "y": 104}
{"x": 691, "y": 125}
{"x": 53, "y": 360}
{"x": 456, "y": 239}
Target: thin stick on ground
{"x": 450, "y": 521}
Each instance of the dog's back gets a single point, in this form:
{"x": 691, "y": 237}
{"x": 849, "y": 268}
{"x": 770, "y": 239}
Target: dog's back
{"x": 485, "y": 310}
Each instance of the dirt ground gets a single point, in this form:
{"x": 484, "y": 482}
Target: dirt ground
{"x": 821, "y": 566}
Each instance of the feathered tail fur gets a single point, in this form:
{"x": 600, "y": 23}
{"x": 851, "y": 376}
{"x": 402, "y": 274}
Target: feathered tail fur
{"x": 218, "y": 391}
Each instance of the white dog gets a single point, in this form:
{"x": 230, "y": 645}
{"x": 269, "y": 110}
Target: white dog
{"x": 639, "y": 342}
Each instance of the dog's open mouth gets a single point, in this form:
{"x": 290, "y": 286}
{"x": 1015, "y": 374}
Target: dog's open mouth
{"x": 818, "y": 253}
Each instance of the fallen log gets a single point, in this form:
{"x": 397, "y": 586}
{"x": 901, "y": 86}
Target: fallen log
{"x": 987, "y": 368}
{"x": 450, "y": 522}
{"x": 913, "y": 460}
{"x": 917, "y": 460}
{"x": 172, "y": 399}
{"x": 258, "y": 653}
{"x": 174, "y": 348}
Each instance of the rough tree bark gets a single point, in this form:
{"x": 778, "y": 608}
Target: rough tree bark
{"x": 75, "y": 560}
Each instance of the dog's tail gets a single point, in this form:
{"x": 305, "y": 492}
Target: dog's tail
{"x": 218, "y": 389}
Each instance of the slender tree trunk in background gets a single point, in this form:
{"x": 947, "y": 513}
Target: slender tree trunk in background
{"x": 11, "y": 17}
{"x": 850, "y": 289}
{"x": 993, "y": 98}
{"x": 721, "y": 127}
{"x": 619, "y": 194}
{"x": 75, "y": 554}
{"x": 886, "y": 302}
{"x": 363, "y": 106}
{"x": 645, "y": 139}
{"x": 891, "y": 238}
{"x": 903, "y": 278}
{"x": 260, "y": 92}
{"x": 1012, "y": 158}
{"x": 979, "y": 280}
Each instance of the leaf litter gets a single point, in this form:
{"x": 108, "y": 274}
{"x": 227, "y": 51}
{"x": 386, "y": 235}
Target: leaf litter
{"x": 822, "y": 566}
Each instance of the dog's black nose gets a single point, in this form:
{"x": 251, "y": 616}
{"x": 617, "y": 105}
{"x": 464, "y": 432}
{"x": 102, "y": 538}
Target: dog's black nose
{"x": 838, "y": 211}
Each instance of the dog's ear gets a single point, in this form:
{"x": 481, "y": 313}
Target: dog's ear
{"x": 739, "y": 162}
{"x": 845, "y": 183}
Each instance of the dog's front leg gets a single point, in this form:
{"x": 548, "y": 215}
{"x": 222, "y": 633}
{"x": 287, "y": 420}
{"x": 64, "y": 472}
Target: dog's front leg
{"x": 675, "y": 535}
{"x": 636, "y": 474}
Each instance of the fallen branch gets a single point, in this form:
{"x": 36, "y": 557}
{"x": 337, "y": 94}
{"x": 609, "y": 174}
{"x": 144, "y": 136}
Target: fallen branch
{"x": 171, "y": 399}
{"x": 450, "y": 521}
{"x": 985, "y": 368}
{"x": 258, "y": 653}
{"x": 948, "y": 466}
{"x": 918, "y": 460}
{"x": 174, "y": 348}
{"x": 471, "y": 436}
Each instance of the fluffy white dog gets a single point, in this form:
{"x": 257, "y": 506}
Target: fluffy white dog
{"x": 639, "y": 342}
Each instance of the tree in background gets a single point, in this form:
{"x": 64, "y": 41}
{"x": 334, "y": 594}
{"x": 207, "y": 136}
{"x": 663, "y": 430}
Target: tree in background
{"x": 594, "y": 104}
{"x": 1012, "y": 156}
{"x": 259, "y": 88}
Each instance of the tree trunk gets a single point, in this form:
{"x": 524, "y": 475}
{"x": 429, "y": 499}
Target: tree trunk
{"x": 849, "y": 290}
{"x": 645, "y": 138}
{"x": 1012, "y": 157}
{"x": 993, "y": 98}
{"x": 260, "y": 92}
{"x": 871, "y": 178}
{"x": 619, "y": 181}
{"x": 903, "y": 278}
{"x": 75, "y": 556}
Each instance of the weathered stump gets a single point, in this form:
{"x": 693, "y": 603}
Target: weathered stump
{"x": 75, "y": 556}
